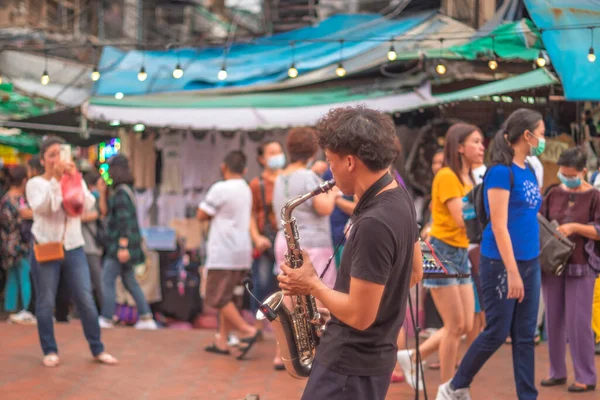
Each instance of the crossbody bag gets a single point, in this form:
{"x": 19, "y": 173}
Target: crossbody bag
{"x": 51, "y": 251}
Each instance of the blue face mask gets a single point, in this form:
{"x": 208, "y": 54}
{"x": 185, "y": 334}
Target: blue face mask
{"x": 276, "y": 162}
{"x": 571, "y": 183}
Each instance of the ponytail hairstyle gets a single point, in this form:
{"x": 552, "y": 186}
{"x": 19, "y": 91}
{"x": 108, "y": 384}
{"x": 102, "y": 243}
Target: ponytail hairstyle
{"x": 514, "y": 127}
{"x": 455, "y": 137}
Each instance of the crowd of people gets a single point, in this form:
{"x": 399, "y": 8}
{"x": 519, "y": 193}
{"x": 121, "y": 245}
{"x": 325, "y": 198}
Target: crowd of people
{"x": 364, "y": 270}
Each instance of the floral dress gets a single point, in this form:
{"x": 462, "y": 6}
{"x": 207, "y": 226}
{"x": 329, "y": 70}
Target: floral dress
{"x": 13, "y": 244}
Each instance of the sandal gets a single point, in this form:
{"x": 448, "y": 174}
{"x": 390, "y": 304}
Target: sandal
{"x": 106, "y": 359}
{"x": 50, "y": 360}
{"x": 250, "y": 343}
{"x": 580, "y": 388}
{"x": 214, "y": 349}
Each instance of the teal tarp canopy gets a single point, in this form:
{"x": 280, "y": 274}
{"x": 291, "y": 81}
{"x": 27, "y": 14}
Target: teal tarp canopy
{"x": 568, "y": 48}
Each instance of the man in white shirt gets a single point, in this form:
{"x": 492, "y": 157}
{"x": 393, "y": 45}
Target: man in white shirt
{"x": 228, "y": 205}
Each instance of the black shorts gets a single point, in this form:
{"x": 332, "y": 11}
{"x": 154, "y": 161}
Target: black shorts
{"x": 326, "y": 384}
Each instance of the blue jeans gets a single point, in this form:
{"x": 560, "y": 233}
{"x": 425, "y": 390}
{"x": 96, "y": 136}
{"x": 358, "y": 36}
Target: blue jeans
{"x": 77, "y": 276}
{"x": 503, "y": 317}
{"x": 18, "y": 283}
{"x": 263, "y": 278}
{"x": 110, "y": 270}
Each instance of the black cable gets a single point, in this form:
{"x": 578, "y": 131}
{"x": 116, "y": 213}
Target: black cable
{"x": 417, "y": 351}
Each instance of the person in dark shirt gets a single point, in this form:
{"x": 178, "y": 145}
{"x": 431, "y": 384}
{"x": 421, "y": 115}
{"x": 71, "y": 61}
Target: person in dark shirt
{"x": 381, "y": 261}
{"x": 123, "y": 250}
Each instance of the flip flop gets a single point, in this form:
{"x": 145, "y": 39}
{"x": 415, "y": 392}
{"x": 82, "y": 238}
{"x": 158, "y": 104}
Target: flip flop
{"x": 214, "y": 349}
{"x": 250, "y": 339}
{"x": 250, "y": 344}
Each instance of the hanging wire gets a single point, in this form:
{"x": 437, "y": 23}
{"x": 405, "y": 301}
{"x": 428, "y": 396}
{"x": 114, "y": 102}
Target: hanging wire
{"x": 493, "y": 63}
{"x": 441, "y": 68}
{"x": 340, "y": 71}
{"x": 293, "y": 71}
{"x": 591, "y": 55}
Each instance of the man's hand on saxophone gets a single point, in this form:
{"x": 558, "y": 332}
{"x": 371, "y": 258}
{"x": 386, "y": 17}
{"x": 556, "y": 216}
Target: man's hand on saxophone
{"x": 299, "y": 281}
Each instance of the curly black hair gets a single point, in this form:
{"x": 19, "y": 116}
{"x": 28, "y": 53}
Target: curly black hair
{"x": 362, "y": 132}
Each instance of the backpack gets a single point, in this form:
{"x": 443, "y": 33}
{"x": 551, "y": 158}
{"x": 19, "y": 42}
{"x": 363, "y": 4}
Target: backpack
{"x": 476, "y": 226}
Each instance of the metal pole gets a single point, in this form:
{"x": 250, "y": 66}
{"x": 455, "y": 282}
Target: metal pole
{"x": 140, "y": 32}
{"x": 101, "y": 33}
{"x": 55, "y": 128}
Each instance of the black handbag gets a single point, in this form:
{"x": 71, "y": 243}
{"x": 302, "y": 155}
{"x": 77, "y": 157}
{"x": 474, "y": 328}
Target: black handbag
{"x": 555, "y": 248}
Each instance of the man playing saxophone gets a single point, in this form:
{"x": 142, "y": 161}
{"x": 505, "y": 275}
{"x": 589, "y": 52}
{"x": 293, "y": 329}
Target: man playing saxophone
{"x": 380, "y": 262}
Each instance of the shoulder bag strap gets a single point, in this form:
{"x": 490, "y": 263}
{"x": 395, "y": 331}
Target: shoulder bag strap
{"x": 65, "y": 230}
{"x": 130, "y": 194}
{"x": 261, "y": 182}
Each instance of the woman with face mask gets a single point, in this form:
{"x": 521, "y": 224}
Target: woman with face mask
{"x": 575, "y": 205}
{"x": 263, "y": 224}
{"x": 509, "y": 267}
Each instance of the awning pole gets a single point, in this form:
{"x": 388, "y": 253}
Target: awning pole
{"x": 55, "y": 128}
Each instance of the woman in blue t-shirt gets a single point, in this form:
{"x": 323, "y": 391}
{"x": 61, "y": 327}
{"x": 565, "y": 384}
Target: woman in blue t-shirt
{"x": 509, "y": 267}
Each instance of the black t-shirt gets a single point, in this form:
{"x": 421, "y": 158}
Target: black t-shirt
{"x": 379, "y": 249}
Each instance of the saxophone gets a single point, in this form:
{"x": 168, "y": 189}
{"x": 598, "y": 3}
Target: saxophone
{"x": 297, "y": 330}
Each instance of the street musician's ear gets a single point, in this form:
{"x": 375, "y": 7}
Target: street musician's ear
{"x": 351, "y": 163}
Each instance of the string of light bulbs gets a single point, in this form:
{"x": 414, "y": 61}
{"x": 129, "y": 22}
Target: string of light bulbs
{"x": 340, "y": 71}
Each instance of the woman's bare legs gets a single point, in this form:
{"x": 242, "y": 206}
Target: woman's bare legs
{"x": 455, "y": 305}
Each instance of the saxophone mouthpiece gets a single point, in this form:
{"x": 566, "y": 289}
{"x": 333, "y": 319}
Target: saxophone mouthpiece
{"x": 324, "y": 187}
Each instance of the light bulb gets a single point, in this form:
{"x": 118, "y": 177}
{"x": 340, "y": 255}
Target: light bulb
{"x": 392, "y": 55}
{"x": 142, "y": 75}
{"x": 340, "y": 70}
{"x": 222, "y": 75}
{"x": 440, "y": 69}
{"x": 541, "y": 61}
{"x": 493, "y": 64}
{"x": 45, "y": 79}
{"x": 95, "y": 74}
{"x": 119, "y": 95}
{"x": 177, "y": 72}
{"x": 292, "y": 72}
{"x": 591, "y": 55}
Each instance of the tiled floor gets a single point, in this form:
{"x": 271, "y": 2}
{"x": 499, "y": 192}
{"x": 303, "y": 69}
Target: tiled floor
{"x": 171, "y": 364}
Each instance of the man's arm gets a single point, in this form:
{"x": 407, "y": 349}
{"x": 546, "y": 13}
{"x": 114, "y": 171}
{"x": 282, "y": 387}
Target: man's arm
{"x": 358, "y": 308}
{"x": 372, "y": 257}
{"x": 417, "y": 265}
{"x": 202, "y": 215}
{"x": 211, "y": 203}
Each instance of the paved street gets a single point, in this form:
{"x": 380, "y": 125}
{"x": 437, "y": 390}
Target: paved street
{"x": 171, "y": 364}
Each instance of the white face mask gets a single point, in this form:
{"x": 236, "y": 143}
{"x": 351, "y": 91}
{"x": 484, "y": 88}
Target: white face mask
{"x": 276, "y": 162}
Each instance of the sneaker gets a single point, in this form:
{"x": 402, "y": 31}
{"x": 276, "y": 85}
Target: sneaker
{"x": 23, "y": 317}
{"x": 409, "y": 368}
{"x": 445, "y": 392}
{"x": 105, "y": 323}
{"x": 148, "y": 324}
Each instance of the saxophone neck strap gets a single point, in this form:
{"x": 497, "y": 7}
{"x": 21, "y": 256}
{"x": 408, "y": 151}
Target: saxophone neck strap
{"x": 370, "y": 194}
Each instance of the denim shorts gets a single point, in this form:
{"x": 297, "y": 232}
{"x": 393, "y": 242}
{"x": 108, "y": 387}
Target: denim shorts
{"x": 454, "y": 259}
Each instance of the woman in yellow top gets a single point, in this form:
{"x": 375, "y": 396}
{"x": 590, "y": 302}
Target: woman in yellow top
{"x": 453, "y": 297}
